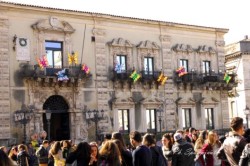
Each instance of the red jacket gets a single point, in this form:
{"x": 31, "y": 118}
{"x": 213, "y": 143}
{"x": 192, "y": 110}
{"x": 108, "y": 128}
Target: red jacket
{"x": 207, "y": 153}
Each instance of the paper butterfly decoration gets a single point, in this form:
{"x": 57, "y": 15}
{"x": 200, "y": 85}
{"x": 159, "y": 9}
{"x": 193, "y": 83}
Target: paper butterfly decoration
{"x": 227, "y": 78}
{"x": 135, "y": 76}
{"x": 162, "y": 79}
{"x": 72, "y": 58}
{"x": 42, "y": 62}
{"x": 85, "y": 68}
{"x": 181, "y": 71}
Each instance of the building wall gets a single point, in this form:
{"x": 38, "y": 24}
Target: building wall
{"x": 113, "y": 35}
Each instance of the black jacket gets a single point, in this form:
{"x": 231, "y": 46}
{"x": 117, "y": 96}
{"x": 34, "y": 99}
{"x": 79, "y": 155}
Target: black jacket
{"x": 42, "y": 155}
{"x": 22, "y": 158}
{"x": 183, "y": 154}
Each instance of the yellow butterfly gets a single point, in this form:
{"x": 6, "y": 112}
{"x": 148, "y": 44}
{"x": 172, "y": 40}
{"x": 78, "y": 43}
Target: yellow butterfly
{"x": 72, "y": 58}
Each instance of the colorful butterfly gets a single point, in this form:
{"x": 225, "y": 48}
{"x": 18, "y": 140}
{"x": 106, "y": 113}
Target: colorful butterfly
{"x": 42, "y": 62}
{"x": 72, "y": 58}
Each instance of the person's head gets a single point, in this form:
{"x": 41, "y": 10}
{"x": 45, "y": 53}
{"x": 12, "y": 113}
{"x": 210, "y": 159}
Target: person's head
{"x": 83, "y": 150}
{"x": 135, "y": 138}
{"x": 21, "y": 147}
{"x": 43, "y": 135}
{"x": 211, "y": 139}
{"x": 111, "y": 151}
{"x": 45, "y": 143}
{"x": 13, "y": 151}
{"x": 4, "y": 149}
{"x": 203, "y": 135}
{"x": 167, "y": 140}
{"x": 191, "y": 130}
{"x": 237, "y": 125}
{"x": 66, "y": 144}
{"x": 178, "y": 137}
{"x": 148, "y": 140}
{"x": 4, "y": 159}
{"x": 55, "y": 147}
{"x": 94, "y": 149}
{"x": 117, "y": 135}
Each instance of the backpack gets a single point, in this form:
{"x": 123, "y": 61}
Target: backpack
{"x": 161, "y": 160}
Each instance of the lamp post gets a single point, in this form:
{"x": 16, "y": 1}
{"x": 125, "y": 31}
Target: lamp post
{"x": 23, "y": 116}
{"x": 160, "y": 119}
{"x": 95, "y": 116}
{"x": 48, "y": 117}
{"x": 246, "y": 112}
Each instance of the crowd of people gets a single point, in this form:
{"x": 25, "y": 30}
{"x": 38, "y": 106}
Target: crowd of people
{"x": 189, "y": 147}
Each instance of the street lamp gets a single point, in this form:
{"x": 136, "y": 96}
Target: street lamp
{"x": 23, "y": 116}
{"x": 160, "y": 118}
{"x": 95, "y": 116}
{"x": 246, "y": 112}
{"x": 48, "y": 117}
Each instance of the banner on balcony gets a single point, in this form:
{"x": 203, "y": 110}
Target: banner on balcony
{"x": 22, "y": 49}
{"x": 85, "y": 68}
{"x": 72, "y": 58}
{"x": 43, "y": 62}
{"x": 181, "y": 71}
{"x": 62, "y": 75}
{"x": 162, "y": 79}
{"x": 135, "y": 76}
{"x": 227, "y": 78}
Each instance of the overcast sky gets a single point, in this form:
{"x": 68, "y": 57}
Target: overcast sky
{"x": 230, "y": 14}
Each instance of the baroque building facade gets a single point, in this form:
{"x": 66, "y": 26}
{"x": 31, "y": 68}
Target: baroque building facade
{"x": 237, "y": 61}
{"x": 104, "y": 42}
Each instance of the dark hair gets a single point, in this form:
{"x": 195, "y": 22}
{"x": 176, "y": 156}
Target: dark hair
{"x": 236, "y": 123}
{"x": 117, "y": 135}
{"x": 135, "y": 135}
{"x": 191, "y": 129}
{"x": 149, "y": 138}
{"x": 4, "y": 159}
{"x": 83, "y": 150}
{"x": 45, "y": 142}
{"x": 169, "y": 138}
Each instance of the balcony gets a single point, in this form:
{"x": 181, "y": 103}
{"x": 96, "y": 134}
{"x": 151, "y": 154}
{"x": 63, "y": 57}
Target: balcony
{"x": 49, "y": 75}
{"x": 210, "y": 80}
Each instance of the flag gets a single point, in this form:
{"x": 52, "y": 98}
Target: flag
{"x": 85, "y": 68}
{"x": 227, "y": 78}
{"x": 135, "y": 76}
{"x": 162, "y": 79}
{"x": 72, "y": 58}
{"x": 181, "y": 71}
{"x": 42, "y": 62}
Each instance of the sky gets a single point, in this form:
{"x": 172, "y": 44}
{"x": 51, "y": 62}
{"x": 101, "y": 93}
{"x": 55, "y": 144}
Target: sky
{"x": 229, "y": 14}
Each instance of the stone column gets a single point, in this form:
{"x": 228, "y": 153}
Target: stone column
{"x": 6, "y": 116}
{"x": 101, "y": 81}
{"x": 170, "y": 117}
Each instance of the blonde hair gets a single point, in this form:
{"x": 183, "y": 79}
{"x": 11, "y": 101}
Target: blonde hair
{"x": 211, "y": 138}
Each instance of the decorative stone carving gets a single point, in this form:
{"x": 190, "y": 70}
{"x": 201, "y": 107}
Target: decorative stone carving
{"x": 53, "y": 24}
{"x": 120, "y": 46}
{"x": 165, "y": 38}
{"x": 148, "y": 45}
{"x": 183, "y": 48}
{"x": 220, "y": 43}
{"x": 120, "y": 42}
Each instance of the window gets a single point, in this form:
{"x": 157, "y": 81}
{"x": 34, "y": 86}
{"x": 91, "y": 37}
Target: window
{"x": 120, "y": 66}
{"x": 184, "y": 63}
{"x": 148, "y": 65}
{"x": 206, "y": 67}
{"x": 209, "y": 115}
{"x": 151, "y": 123}
{"x": 123, "y": 120}
{"x": 186, "y": 117}
{"x": 54, "y": 53}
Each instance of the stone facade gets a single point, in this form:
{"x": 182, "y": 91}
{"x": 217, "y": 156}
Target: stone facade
{"x": 99, "y": 39}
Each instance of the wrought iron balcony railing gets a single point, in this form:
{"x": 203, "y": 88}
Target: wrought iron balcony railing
{"x": 75, "y": 72}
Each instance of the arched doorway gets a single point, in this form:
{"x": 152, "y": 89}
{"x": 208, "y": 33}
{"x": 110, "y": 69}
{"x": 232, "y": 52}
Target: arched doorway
{"x": 59, "y": 122}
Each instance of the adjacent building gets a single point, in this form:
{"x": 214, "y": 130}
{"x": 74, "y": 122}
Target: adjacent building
{"x": 124, "y": 68}
{"x": 237, "y": 61}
